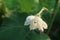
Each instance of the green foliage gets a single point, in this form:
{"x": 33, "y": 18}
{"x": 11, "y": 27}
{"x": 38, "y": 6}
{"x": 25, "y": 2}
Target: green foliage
{"x": 42, "y": 36}
{"x": 47, "y": 3}
{"x": 23, "y": 5}
{"x": 11, "y": 4}
{"x": 13, "y": 27}
{"x": 28, "y": 5}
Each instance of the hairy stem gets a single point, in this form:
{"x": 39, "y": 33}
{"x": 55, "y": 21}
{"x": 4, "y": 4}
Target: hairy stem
{"x": 43, "y": 8}
{"x": 56, "y": 8}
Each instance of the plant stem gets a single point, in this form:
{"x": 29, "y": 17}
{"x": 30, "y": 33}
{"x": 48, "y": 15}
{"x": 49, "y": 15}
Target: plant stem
{"x": 56, "y": 8}
{"x": 43, "y": 8}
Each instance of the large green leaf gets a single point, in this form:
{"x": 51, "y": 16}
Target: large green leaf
{"x": 23, "y": 5}
{"x": 41, "y": 36}
{"x": 11, "y": 4}
{"x": 28, "y": 5}
{"x": 13, "y": 29}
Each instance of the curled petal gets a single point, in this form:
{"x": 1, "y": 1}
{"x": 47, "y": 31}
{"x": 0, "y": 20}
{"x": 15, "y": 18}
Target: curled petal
{"x": 33, "y": 25}
{"x": 28, "y": 20}
{"x": 38, "y": 23}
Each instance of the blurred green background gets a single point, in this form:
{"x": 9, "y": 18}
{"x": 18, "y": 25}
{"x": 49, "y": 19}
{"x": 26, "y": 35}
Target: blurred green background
{"x": 12, "y": 25}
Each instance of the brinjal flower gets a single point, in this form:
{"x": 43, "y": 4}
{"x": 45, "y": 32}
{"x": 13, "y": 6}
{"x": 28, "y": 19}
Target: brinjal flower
{"x": 35, "y": 22}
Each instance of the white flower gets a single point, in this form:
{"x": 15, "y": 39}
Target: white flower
{"x": 35, "y": 22}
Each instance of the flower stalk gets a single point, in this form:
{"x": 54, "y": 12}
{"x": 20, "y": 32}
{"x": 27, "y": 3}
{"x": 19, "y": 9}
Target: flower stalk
{"x": 43, "y": 8}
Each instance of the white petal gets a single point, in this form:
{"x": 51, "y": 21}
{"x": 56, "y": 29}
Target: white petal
{"x": 42, "y": 23}
{"x": 28, "y": 20}
{"x": 33, "y": 25}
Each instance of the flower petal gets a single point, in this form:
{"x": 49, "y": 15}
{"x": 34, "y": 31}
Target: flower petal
{"x": 28, "y": 20}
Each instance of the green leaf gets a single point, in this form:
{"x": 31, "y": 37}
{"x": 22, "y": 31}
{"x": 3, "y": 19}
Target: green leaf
{"x": 23, "y": 5}
{"x": 40, "y": 36}
{"x": 28, "y": 5}
{"x": 11, "y": 4}
{"x": 57, "y": 33}
{"x": 13, "y": 29}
